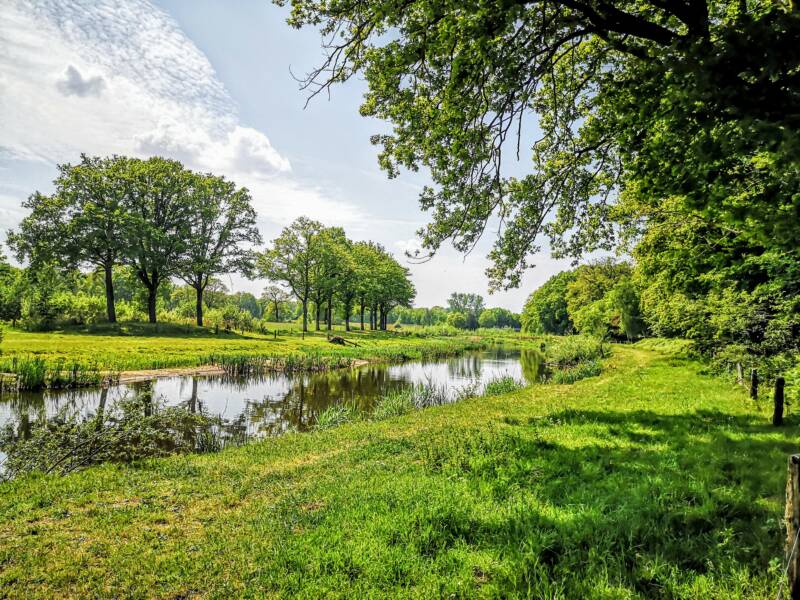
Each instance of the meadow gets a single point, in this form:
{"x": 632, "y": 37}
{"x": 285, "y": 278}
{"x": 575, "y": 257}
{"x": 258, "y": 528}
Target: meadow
{"x": 652, "y": 479}
{"x": 140, "y": 346}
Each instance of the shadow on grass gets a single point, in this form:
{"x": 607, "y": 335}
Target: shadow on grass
{"x": 576, "y": 504}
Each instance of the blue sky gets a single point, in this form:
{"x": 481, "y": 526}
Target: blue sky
{"x": 210, "y": 83}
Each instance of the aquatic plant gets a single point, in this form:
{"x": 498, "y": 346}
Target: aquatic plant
{"x": 502, "y": 385}
{"x": 335, "y": 415}
{"x": 572, "y": 374}
{"x": 393, "y": 404}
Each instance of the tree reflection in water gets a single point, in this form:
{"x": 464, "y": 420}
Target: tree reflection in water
{"x": 274, "y": 403}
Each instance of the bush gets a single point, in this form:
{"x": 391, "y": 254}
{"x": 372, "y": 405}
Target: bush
{"x": 582, "y": 371}
{"x": 573, "y": 349}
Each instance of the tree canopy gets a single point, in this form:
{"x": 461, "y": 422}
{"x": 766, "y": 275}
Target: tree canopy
{"x": 319, "y": 264}
{"x": 690, "y": 99}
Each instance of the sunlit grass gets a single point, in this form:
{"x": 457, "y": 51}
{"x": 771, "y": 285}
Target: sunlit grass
{"x": 650, "y": 480}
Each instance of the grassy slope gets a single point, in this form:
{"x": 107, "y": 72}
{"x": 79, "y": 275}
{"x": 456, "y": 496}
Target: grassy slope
{"x": 648, "y": 481}
{"x": 145, "y": 347}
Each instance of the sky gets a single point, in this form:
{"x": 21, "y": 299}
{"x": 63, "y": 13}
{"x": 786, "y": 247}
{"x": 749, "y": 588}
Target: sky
{"x": 213, "y": 84}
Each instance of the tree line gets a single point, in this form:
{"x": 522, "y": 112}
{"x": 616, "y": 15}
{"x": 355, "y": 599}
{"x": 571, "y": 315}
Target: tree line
{"x": 323, "y": 268}
{"x": 157, "y": 221}
{"x": 463, "y": 311}
{"x": 153, "y": 216}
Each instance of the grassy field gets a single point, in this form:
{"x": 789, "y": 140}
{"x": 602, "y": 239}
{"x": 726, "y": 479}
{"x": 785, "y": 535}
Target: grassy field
{"x": 652, "y": 480}
{"x": 143, "y": 346}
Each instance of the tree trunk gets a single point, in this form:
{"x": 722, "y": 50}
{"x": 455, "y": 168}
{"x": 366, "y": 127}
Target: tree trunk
{"x": 111, "y": 310}
{"x": 362, "y": 316}
{"x": 330, "y": 312}
{"x": 277, "y": 314}
{"x": 317, "y": 311}
{"x": 305, "y": 315}
{"x": 199, "y": 306}
{"x": 151, "y": 304}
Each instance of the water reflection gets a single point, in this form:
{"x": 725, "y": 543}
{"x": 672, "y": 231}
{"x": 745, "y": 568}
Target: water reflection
{"x": 274, "y": 403}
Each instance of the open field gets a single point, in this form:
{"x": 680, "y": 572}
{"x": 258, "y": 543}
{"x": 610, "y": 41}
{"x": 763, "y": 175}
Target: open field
{"x": 143, "y": 346}
{"x": 651, "y": 480}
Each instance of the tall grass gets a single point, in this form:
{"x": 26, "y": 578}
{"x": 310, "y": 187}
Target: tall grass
{"x": 502, "y": 385}
{"x": 36, "y": 373}
{"x": 573, "y": 349}
{"x": 247, "y": 364}
{"x": 582, "y": 370}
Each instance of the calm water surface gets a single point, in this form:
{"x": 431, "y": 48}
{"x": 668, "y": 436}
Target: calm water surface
{"x": 274, "y": 403}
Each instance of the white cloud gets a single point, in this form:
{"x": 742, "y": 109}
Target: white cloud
{"x": 411, "y": 246}
{"x": 75, "y": 84}
{"x": 120, "y": 77}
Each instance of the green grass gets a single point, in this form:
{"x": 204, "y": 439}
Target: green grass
{"x": 139, "y": 347}
{"x": 648, "y": 481}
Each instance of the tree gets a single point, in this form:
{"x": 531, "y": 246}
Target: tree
{"x": 81, "y": 223}
{"x": 276, "y": 296}
{"x": 498, "y": 317}
{"x": 545, "y": 310}
{"x": 470, "y": 305}
{"x": 457, "y": 319}
{"x": 157, "y": 228}
{"x": 690, "y": 99}
{"x": 293, "y": 259}
{"x": 12, "y": 290}
{"x": 222, "y": 222}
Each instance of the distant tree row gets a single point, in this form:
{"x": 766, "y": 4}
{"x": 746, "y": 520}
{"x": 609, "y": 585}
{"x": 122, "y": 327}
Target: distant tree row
{"x": 153, "y": 216}
{"x": 322, "y": 268}
{"x": 464, "y": 311}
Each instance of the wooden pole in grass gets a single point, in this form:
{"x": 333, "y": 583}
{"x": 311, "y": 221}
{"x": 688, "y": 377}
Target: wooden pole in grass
{"x": 754, "y": 384}
{"x": 739, "y": 374}
{"x": 792, "y": 517}
{"x": 777, "y": 415}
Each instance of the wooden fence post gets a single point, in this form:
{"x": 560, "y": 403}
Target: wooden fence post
{"x": 777, "y": 415}
{"x": 792, "y": 517}
{"x": 754, "y": 384}
{"x": 739, "y": 374}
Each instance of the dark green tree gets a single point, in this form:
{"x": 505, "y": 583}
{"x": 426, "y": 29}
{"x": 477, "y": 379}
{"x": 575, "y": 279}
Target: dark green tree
{"x": 221, "y": 232}
{"x": 81, "y": 223}
{"x": 159, "y": 213}
{"x": 694, "y": 99}
{"x": 292, "y": 260}
{"x": 545, "y": 310}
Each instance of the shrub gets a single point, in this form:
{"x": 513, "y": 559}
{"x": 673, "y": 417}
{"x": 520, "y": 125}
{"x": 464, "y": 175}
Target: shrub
{"x": 571, "y": 375}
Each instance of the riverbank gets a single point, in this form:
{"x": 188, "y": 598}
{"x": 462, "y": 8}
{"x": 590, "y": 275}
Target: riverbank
{"x": 650, "y": 480}
{"x": 138, "y": 351}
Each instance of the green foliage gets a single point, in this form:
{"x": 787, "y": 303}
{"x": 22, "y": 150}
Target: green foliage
{"x": 133, "y": 429}
{"x": 457, "y": 320}
{"x": 498, "y": 317}
{"x": 393, "y": 404}
{"x": 545, "y": 310}
{"x": 469, "y": 305}
{"x": 574, "y": 349}
{"x": 591, "y": 368}
{"x": 336, "y": 415}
